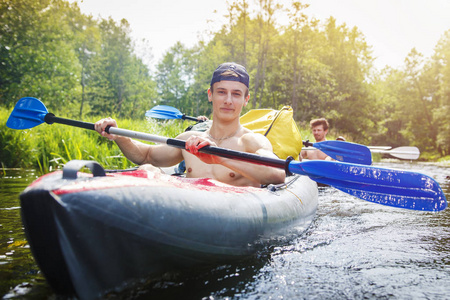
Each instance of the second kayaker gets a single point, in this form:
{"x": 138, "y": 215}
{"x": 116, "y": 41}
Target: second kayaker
{"x": 229, "y": 93}
{"x": 319, "y": 128}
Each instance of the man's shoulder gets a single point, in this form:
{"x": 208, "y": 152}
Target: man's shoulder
{"x": 255, "y": 140}
{"x": 249, "y": 134}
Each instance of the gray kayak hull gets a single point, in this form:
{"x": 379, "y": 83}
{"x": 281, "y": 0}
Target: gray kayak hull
{"x": 94, "y": 234}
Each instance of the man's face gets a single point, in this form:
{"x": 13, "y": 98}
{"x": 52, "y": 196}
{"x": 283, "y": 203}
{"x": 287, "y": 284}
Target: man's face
{"x": 319, "y": 133}
{"x": 228, "y": 98}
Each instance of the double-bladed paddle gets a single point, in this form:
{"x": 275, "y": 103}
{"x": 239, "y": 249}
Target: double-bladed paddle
{"x": 396, "y": 188}
{"x": 167, "y": 113}
{"x": 379, "y": 147}
{"x": 343, "y": 151}
{"x": 404, "y": 152}
{"x": 338, "y": 150}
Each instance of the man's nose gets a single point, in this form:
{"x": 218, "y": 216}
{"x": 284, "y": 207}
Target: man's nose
{"x": 228, "y": 98}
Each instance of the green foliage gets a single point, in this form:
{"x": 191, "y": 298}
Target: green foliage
{"x": 36, "y": 56}
{"x": 441, "y": 95}
{"x": 415, "y": 102}
{"x": 84, "y": 67}
{"x": 48, "y": 147}
{"x": 173, "y": 76}
{"x": 75, "y": 64}
{"x": 18, "y": 147}
{"x": 445, "y": 160}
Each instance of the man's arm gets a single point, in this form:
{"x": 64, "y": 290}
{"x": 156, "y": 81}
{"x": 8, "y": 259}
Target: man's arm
{"x": 141, "y": 153}
{"x": 303, "y": 155}
{"x": 251, "y": 143}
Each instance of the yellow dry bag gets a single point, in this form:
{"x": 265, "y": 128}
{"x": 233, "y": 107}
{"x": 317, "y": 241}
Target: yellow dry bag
{"x": 279, "y": 127}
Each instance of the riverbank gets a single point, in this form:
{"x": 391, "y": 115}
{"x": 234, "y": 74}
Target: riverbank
{"x": 48, "y": 147}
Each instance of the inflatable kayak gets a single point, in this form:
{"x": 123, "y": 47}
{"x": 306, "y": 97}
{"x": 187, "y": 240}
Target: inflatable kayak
{"x": 91, "y": 233}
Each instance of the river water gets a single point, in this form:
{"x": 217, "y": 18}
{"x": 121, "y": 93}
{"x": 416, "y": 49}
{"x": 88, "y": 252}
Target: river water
{"x": 353, "y": 250}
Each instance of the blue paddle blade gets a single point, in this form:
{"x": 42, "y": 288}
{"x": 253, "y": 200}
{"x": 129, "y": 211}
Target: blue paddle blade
{"x": 396, "y": 188}
{"x": 346, "y": 152}
{"x": 28, "y": 112}
{"x": 164, "y": 112}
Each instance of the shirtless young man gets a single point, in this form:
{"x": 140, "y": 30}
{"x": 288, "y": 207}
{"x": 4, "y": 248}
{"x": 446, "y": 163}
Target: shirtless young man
{"x": 229, "y": 94}
{"x": 319, "y": 128}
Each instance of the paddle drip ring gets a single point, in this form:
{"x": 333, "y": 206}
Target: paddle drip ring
{"x": 286, "y": 165}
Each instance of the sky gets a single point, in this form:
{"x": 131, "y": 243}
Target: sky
{"x": 391, "y": 27}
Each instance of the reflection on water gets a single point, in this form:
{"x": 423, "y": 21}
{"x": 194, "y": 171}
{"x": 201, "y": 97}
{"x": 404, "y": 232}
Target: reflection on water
{"x": 19, "y": 274}
{"x": 354, "y": 249}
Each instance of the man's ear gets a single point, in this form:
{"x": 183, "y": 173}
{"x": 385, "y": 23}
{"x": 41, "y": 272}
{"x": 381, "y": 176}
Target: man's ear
{"x": 246, "y": 99}
{"x": 209, "y": 95}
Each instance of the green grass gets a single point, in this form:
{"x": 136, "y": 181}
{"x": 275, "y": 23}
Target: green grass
{"x": 445, "y": 160}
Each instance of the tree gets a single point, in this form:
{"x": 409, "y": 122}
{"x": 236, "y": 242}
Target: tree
{"x": 264, "y": 32}
{"x": 386, "y": 90}
{"x": 117, "y": 78}
{"x": 441, "y": 97}
{"x": 350, "y": 60}
{"x": 414, "y": 107}
{"x": 172, "y": 77}
{"x": 298, "y": 20}
{"x": 36, "y": 52}
{"x": 87, "y": 45}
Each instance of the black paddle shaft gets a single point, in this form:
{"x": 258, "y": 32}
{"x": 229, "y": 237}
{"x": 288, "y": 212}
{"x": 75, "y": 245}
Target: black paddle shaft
{"x": 50, "y": 119}
{"x": 184, "y": 117}
{"x": 242, "y": 156}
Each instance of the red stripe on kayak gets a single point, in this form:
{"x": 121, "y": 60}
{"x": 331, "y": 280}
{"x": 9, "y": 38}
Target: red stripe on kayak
{"x": 142, "y": 178}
